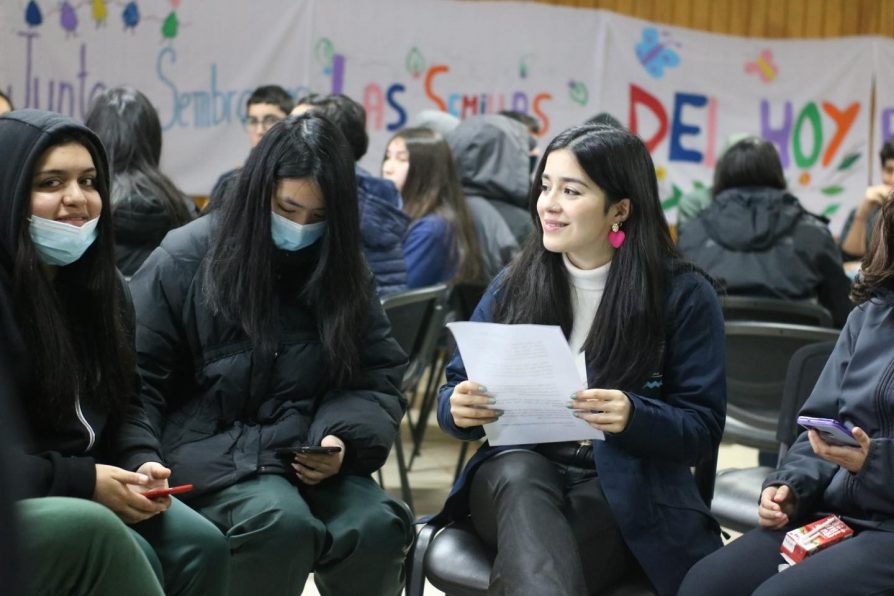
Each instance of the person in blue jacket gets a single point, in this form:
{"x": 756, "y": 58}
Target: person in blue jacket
{"x": 440, "y": 245}
{"x": 574, "y": 518}
{"x": 816, "y": 478}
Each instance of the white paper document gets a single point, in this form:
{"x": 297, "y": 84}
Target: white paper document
{"x": 530, "y": 372}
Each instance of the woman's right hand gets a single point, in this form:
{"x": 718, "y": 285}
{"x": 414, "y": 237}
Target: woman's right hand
{"x": 776, "y": 505}
{"x": 112, "y": 490}
{"x": 471, "y": 406}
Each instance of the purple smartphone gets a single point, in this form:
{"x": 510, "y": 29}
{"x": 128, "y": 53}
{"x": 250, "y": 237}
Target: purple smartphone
{"x": 832, "y": 431}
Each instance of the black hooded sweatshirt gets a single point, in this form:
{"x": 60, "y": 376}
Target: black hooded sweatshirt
{"x": 761, "y": 242}
{"x": 59, "y": 462}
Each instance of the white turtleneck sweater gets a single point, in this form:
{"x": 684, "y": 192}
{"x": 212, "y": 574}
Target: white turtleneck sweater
{"x": 587, "y": 286}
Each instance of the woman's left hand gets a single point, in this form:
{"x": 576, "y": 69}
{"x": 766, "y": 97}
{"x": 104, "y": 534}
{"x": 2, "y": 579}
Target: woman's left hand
{"x": 607, "y": 410}
{"x": 313, "y": 469}
{"x": 849, "y": 458}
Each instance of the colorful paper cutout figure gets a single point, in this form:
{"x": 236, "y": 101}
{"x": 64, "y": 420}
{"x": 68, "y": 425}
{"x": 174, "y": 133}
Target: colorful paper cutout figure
{"x": 170, "y": 26}
{"x": 69, "y": 18}
{"x": 763, "y": 66}
{"x": 131, "y": 15}
{"x": 654, "y": 52}
{"x": 33, "y": 16}
{"x": 578, "y": 92}
{"x": 100, "y": 12}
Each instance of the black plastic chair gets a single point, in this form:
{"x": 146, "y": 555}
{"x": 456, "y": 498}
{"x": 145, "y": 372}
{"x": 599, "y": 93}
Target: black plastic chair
{"x": 757, "y": 357}
{"x": 738, "y": 490}
{"x": 454, "y": 560}
{"x": 461, "y": 304}
{"x": 793, "y": 312}
{"x": 417, "y": 317}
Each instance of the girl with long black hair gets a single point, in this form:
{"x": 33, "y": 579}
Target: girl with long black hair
{"x": 89, "y": 436}
{"x": 259, "y": 332}
{"x": 574, "y": 518}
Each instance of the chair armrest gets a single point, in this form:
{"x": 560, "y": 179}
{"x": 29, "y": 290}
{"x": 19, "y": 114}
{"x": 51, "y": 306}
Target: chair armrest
{"x": 416, "y": 559}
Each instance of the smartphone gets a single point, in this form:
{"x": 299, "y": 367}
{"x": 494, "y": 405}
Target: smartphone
{"x": 307, "y": 449}
{"x": 831, "y": 431}
{"x": 163, "y": 492}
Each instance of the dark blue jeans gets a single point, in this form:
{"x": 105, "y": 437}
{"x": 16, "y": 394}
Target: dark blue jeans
{"x": 550, "y": 525}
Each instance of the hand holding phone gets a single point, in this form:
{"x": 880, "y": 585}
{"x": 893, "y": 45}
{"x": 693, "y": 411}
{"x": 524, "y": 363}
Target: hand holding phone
{"x": 163, "y": 492}
{"x": 831, "y": 431}
{"x": 307, "y": 450}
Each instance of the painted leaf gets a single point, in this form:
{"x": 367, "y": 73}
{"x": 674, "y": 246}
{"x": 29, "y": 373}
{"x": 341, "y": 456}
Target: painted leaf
{"x": 698, "y": 184}
{"x": 33, "y": 16}
{"x": 170, "y": 26}
{"x": 671, "y": 202}
{"x": 832, "y": 190}
{"x": 830, "y": 210}
{"x": 849, "y": 161}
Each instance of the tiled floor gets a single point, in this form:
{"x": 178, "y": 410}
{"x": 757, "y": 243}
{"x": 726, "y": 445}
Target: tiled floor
{"x": 432, "y": 474}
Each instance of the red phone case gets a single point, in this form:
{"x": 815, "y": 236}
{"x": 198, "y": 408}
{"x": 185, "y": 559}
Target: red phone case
{"x": 163, "y": 492}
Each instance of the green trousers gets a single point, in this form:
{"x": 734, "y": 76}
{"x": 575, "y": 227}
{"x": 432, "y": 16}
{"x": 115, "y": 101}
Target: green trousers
{"x": 349, "y": 532}
{"x": 187, "y": 552}
{"x": 80, "y": 548}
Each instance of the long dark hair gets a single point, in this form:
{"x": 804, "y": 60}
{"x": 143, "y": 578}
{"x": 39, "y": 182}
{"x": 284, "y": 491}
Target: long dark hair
{"x": 753, "y": 161}
{"x": 77, "y": 327}
{"x": 239, "y": 279}
{"x": 129, "y": 128}
{"x": 433, "y": 186}
{"x": 877, "y": 271}
{"x": 625, "y": 339}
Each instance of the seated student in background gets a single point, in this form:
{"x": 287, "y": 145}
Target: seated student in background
{"x": 816, "y": 478}
{"x": 756, "y": 239}
{"x": 146, "y": 205}
{"x": 258, "y": 329}
{"x": 491, "y": 154}
{"x": 89, "y": 436}
{"x": 856, "y": 235}
{"x": 266, "y": 106}
{"x": 382, "y": 223}
{"x": 571, "y": 518}
{"x": 440, "y": 245}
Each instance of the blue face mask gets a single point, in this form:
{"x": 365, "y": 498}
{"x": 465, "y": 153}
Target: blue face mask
{"x": 288, "y": 235}
{"x": 60, "y": 243}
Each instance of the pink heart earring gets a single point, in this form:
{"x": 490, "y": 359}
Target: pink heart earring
{"x": 616, "y": 236}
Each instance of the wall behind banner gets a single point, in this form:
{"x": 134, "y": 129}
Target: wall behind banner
{"x": 758, "y": 18}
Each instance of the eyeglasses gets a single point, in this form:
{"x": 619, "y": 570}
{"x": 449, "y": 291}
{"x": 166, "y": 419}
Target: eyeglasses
{"x": 265, "y": 123}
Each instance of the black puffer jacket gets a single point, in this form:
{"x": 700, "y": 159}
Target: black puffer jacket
{"x": 762, "y": 242}
{"x": 221, "y": 406}
{"x": 60, "y": 461}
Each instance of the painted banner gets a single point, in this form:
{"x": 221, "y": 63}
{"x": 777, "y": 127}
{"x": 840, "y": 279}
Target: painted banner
{"x": 685, "y": 92}
{"x": 198, "y": 60}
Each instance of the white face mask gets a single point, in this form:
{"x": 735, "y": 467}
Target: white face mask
{"x": 60, "y": 243}
{"x": 288, "y": 235}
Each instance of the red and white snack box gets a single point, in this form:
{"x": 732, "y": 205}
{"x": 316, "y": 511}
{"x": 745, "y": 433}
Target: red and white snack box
{"x": 814, "y": 537}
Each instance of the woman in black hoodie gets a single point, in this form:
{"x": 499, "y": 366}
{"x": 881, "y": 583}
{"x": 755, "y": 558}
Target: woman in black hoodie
{"x": 89, "y": 435}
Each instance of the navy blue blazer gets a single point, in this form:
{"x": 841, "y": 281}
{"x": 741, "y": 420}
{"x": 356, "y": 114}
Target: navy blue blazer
{"x": 677, "y": 421}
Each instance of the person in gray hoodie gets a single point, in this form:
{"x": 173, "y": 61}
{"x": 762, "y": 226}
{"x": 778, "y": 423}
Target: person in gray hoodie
{"x": 816, "y": 478}
{"x": 491, "y": 154}
{"x": 756, "y": 239}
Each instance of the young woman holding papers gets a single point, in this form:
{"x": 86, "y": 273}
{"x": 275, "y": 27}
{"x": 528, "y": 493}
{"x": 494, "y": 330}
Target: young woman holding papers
{"x": 570, "y": 518}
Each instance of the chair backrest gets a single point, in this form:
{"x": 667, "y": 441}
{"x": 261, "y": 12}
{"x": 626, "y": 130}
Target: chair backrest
{"x": 757, "y": 359}
{"x": 793, "y": 312}
{"x": 803, "y": 371}
{"x": 417, "y": 317}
